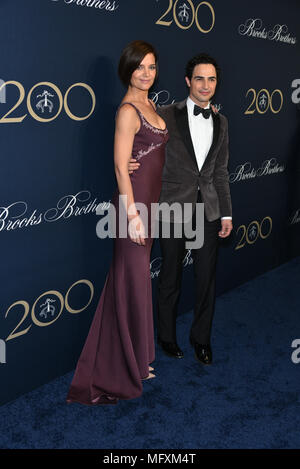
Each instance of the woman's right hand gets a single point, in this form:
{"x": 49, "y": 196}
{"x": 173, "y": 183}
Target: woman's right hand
{"x": 136, "y": 230}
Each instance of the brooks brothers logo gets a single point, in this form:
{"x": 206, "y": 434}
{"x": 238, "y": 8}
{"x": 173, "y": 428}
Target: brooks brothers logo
{"x": 246, "y": 171}
{"x": 253, "y": 27}
{"x": 295, "y": 218}
{"x": 185, "y": 13}
{"x": 295, "y": 357}
{"x": 253, "y": 231}
{"x": 107, "y": 5}
{"x": 155, "y": 264}
{"x": 17, "y": 216}
{"x": 161, "y": 98}
{"x": 49, "y": 306}
{"x": 295, "y": 94}
{"x": 263, "y": 100}
{"x": 45, "y": 102}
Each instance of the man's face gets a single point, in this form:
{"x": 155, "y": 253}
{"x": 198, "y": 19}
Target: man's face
{"x": 203, "y": 84}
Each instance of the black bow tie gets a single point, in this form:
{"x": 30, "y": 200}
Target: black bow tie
{"x": 199, "y": 110}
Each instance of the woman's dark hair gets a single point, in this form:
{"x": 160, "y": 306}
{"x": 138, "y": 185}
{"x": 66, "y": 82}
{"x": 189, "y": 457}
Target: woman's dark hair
{"x": 131, "y": 57}
{"x": 201, "y": 59}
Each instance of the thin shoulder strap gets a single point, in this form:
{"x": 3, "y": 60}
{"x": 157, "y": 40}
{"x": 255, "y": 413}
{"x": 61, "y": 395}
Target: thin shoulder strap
{"x": 152, "y": 104}
{"x": 131, "y": 104}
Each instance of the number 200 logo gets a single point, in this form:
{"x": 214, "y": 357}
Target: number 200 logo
{"x": 254, "y": 231}
{"x": 62, "y": 102}
{"x": 187, "y": 9}
{"x": 63, "y": 302}
{"x": 263, "y": 100}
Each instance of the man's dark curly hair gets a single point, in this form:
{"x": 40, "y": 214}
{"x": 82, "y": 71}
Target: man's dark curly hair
{"x": 202, "y": 58}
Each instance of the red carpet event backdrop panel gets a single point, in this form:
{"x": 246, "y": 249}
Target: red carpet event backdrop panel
{"x": 59, "y": 92}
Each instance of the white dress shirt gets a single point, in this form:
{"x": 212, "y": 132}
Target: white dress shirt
{"x": 201, "y": 131}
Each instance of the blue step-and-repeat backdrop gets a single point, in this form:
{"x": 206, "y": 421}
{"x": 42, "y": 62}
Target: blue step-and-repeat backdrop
{"x": 59, "y": 92}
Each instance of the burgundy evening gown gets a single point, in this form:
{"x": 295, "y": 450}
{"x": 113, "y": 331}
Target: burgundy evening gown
{"x": 120, "y": 343}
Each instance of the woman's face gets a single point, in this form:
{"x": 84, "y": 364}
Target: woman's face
{"x": 143, "y": 77}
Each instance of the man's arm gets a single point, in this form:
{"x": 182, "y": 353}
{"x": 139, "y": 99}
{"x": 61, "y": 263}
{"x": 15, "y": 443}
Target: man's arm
{"x": 221, "y": 177}
{"x": 133, "y": 165}
{"x": 221, "y": 183}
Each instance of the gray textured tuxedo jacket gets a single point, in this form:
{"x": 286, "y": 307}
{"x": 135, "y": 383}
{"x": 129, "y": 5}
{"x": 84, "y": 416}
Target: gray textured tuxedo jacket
{"x": 181, "y": 176}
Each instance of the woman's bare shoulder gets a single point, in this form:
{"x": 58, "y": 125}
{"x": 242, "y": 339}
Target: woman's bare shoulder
{"x": 127, "y": 117}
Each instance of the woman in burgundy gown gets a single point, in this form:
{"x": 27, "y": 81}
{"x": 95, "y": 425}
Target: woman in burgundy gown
{"x": 120, "y": 344}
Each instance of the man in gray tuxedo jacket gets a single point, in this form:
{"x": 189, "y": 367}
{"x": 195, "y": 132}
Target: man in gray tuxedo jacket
{"x": 195, "y": 171}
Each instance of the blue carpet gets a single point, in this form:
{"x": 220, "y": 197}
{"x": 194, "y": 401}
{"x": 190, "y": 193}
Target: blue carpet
{"x": 248, "y": 398}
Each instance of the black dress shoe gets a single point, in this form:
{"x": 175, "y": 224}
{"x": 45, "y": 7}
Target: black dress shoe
{"x": 203, "y": 352}
{"x": 170, "y": 348}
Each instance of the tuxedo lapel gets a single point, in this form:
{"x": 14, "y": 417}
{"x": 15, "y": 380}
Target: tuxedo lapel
{"x": 216, "y": 134}
{"x": 182, "y": 121}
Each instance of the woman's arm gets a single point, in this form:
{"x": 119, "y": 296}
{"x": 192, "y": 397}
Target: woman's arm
{"x": 127, "y": 125}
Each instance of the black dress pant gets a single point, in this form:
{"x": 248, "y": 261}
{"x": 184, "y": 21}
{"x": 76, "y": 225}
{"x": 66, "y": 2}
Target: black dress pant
{"x": 169, "y": 284}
